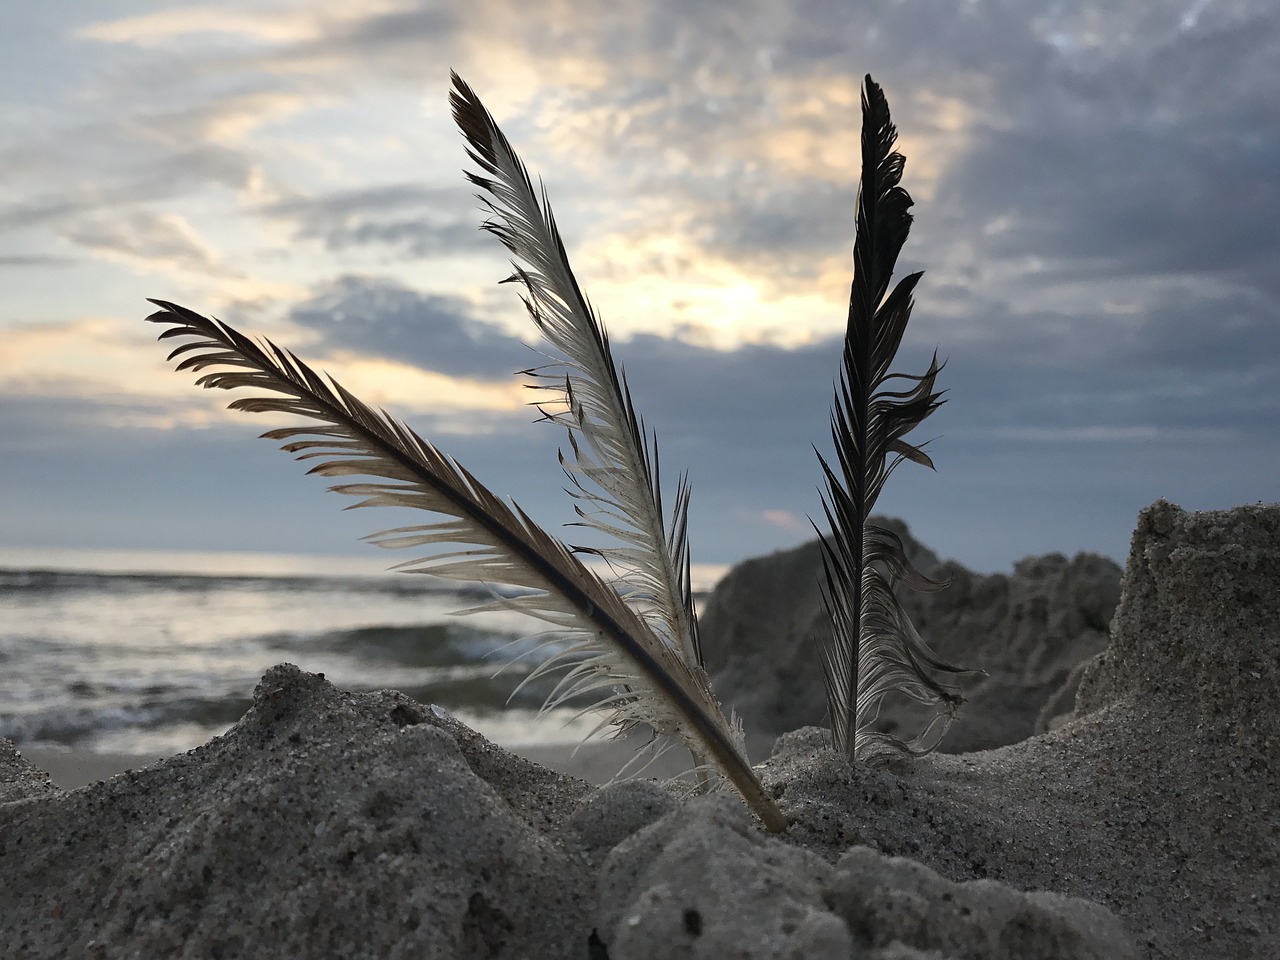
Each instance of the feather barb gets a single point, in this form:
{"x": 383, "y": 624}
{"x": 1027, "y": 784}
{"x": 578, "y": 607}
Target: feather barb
{"x": 347, "y": 437}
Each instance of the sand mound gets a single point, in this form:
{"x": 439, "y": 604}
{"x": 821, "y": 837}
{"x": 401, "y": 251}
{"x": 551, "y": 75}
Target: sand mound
{"x": 332, "y": 825}
{"x": 1030, "y": 630}
{"x": 322, "y": 825}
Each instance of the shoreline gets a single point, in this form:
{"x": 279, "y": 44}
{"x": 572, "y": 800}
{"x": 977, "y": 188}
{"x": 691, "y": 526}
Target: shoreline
{"x": 596, "y": 761}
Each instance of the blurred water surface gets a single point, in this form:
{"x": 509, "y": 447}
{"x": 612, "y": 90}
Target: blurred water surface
{"x": 143, "y": 652}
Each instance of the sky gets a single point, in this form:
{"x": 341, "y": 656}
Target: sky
{"x": 1097, "y": 192}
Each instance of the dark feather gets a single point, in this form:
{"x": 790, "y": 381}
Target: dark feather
{"x": 614, "y": 463}
{"x": 873, "y": 649}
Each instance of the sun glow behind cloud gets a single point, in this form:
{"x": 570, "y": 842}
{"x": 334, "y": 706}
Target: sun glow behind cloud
{"x": 82, "y": 357}
{"x": 411, "y": 389}
{"x": 88, "y": 359}
{"x": 667, "y": 258}
{"x": 298, "y": 23}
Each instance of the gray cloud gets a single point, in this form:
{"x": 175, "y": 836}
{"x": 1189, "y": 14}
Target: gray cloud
{"x": 130, "y": 181}
{"x": 34, "y": 260}
{"x": 386, "y": 319}
{"x": 1105, "y": 142}
{"x": 1148, "y": 155}
{"x": 403, "y": 216}
{"x": 744, "y": 422}
{"x": 146, "y": 236}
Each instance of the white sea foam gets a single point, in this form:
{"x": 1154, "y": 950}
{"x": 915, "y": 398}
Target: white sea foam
{"x": 124, "y": 651}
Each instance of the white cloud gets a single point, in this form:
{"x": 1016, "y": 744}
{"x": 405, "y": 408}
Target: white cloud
{"x": 289, "y": 23}
{"x": 150, "y": 241}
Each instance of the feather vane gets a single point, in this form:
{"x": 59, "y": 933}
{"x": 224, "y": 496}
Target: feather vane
{"x": 349, "y": 438}
{"x": 873, "y": 648}
{"x": 613, "y": 464}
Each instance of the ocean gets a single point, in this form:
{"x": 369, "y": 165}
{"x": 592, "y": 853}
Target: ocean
{"x": 157, "y": 652}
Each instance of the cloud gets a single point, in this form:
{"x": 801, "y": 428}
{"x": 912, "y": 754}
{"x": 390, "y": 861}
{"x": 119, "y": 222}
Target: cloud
{"x": 441, "y": 403}
{"x": 1144, "y": 157}
{"x": 34, "y": 260}
{"x": 329, "y": 46}
{"x": 786, "y": 520}
{"x": 162, "y": 27}
{"x": 151, "y": 241}
{"x": 382, "y": 318}
{"x": 78, "y": 357}
{"x": 401, "y": 216}
{"x": 1095, "y": 211}
{"x": 115, "y": 377}
{"x": 721, "y": 145}
{"x": 35, "y": 426}
{"x": 1094, "y": 378}
{"x": 130, "y": 181}
{"x": 227, "y": 121}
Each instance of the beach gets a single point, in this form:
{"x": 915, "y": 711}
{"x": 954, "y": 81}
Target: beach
{"x": 330, "y": 823}
{"x": 152, "y": 655}
{"x": 595, "y": 762}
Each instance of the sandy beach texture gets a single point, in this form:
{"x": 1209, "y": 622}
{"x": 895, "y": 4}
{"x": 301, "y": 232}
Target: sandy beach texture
{"x": 596, "y": 762}
{"x": 332, "y": 825}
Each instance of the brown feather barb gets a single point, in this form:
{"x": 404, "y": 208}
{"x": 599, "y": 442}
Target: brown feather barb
{"x": 349, "y": 438}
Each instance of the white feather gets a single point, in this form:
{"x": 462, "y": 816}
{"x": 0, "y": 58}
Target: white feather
{"x": 613, "y": 468}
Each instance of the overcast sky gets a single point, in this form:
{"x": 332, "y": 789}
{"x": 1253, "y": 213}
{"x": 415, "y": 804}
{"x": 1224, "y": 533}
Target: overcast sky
{"x": 1097, "y": 196}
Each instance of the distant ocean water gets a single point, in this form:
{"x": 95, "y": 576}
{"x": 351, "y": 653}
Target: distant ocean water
{"x": 157, "y": 652}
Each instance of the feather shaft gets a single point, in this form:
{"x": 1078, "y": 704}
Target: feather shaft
{"x": 873, "y": 649}
{"x": 510, "y": 548}
{"x": 614, "y": 468}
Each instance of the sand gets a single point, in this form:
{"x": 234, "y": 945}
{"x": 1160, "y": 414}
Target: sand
{"x": 327, "y": 824}
{"x": 1028, "y": 630}
{"x": 597, "y": 762}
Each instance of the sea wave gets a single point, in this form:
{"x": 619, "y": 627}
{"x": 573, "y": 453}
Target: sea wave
{"x": 125, "y": 659}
